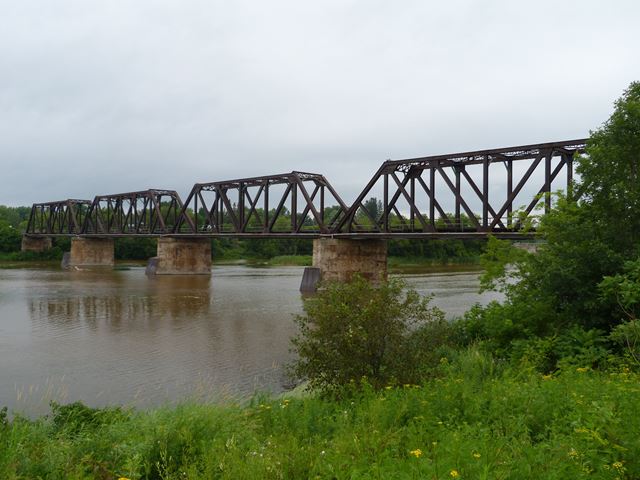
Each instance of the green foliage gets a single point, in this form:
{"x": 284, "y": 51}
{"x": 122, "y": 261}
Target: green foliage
{"x": 576, "y": 281}
{"x": 75, "y": 418}
{"x": 624, "y": 288}
{"x": 10, "y": 238}
{"x": 135, "y": 248}
{"x": 627, "y": 337}
{"x": 441, "y": 250}
{"x": 500, "y": 261}
{"x": 357, "y": 330}
{"x": 610, "y": 175}
{"x": 478, "y": 418}
{"x": 15, "y": 216}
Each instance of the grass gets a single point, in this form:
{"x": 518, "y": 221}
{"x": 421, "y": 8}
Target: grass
{"x": 475, "y": 420}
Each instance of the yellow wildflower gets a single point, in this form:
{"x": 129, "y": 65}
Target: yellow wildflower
{"x": 416, "y": 453}
{"x": 617, "y": 466}
{"x": 582, "y": 369}
{"x": 476, "y": 455}
{"x": 573, "y": 453}
{"x": 454, "y": 473}
{"x": 123, "y": 478}
{"x": 547, "y": 377}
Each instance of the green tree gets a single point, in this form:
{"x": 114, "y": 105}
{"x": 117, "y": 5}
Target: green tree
{"x": 384, "y": 333}
{"x": 10, "y": 238}
{"x": 587, "y": 239}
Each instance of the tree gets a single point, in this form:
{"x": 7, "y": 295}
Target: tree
{"x": 374, "y": 207}
{"x": 10, "y": 238}
{"x": 357, "y": 330}
{"x": 587, "y": 239}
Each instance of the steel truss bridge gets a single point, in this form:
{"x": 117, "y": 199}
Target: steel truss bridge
{"x": 412, "y": 204}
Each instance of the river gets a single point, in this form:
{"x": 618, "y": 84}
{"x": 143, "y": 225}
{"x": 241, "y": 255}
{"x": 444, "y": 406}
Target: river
{"x": 120, "y": 337}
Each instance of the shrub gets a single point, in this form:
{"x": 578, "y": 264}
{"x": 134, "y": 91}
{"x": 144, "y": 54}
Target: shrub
{"x": 627, "y": 337}
{"x": 383, "y": 333}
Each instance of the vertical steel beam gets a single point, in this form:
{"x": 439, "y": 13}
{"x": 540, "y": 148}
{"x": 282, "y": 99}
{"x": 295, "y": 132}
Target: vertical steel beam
{"x": 385, "y": 201}
{"x": 458, "y": 220}
{"x": 569, "y": 161}
{"x": 412, "y": 194}
{"x": 509, "y": 165}
{"x": 266, "y": 207}
{"x": 432, "y": 193}
{"x": 547, "y": 181}
{"x": 294, "y": 207}
{"x": 322, "y": 206}
{"x": 485, "y": 192}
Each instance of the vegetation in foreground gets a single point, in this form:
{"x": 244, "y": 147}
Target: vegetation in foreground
{"x": 477, "y": 418}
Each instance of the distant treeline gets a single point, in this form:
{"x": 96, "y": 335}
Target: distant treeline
{"x": 13, "y": 222}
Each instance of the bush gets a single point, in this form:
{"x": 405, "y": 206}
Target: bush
{"x": 383, "y": 333}
{"x": 627, "y": 337}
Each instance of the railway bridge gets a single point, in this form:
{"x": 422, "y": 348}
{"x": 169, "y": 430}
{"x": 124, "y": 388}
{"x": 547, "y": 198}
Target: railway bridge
{"x": 441, "y": 196}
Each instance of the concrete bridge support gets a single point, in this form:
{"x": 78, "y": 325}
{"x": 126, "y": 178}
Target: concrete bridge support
{"x": 181, "y": 256}
{"x": 340, "y": 259}
{"x": 35, "y": 244}
{"x": 89, "y": 252}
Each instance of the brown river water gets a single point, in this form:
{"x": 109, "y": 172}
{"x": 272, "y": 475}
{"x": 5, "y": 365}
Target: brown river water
{"x": 120, "y": 337}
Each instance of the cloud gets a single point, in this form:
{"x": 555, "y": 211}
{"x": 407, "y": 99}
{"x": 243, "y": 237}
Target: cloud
{"x": 105, "y": 97}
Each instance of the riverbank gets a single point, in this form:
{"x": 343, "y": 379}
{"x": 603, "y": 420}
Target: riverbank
{"x": 474, "y": 420}
{"x": 395, "y": 264}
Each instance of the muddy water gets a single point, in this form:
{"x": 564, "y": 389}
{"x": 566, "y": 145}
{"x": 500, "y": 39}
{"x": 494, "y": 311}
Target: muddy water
{"x": 117, "y": 336}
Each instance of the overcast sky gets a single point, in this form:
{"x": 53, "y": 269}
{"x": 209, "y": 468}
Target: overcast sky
{"x": 110, "y": 96}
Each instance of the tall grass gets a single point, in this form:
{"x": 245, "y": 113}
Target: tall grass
{"x": 476, "y": 420}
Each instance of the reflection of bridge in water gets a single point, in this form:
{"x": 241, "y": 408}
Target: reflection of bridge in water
{"x": 443, "y": 196}
{"x": 171, "y": 298}
{"x": 117, "y": 331}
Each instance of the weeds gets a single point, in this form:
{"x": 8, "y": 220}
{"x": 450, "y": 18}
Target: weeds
{"x": 478, "y": 418}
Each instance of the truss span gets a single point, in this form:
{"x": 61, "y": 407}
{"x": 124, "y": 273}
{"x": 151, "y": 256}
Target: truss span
{"x": 441, "y": 196}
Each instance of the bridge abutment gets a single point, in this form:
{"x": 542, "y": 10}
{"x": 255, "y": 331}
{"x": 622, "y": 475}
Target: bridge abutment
{"x": 90, "y": 252}
{"x": 35, "y": 244}
{"x": 181, "y": 256}
{"x": 340, "y": 259}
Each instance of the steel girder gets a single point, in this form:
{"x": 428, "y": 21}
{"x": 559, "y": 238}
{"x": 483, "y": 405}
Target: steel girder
{"x": 64, "y": 217}
{"x": 414, "y": 180}
{"x": 274, "y": 205}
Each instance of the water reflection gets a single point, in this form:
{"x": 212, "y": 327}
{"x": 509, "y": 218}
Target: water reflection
{"x": 118, "y": 336}
{"x": 92, "y": 299}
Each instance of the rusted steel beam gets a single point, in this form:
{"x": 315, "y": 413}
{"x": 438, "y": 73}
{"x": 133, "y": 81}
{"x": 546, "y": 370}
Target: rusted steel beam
{"x": 64, "y": 217}
{"x": 523, "y": 152}
{"x": 253, "y": 206}
{"x": 145, "y": 212}
{"x": 305, "y": 205}
{"x": 426, "y": 170}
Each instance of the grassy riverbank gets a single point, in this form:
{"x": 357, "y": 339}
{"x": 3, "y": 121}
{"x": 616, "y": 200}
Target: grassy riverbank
{"x": 474, "y": 420}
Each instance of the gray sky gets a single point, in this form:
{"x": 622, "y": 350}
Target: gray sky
{"x": 110, "y": 96}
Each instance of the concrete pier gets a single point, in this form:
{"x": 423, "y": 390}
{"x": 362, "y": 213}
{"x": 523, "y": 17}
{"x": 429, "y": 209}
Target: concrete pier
{"x": 35, "y": 244}
{"x": 181, "y": 256}
{"x": 340, "y": 259}
{"x": 89, "y": 252}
